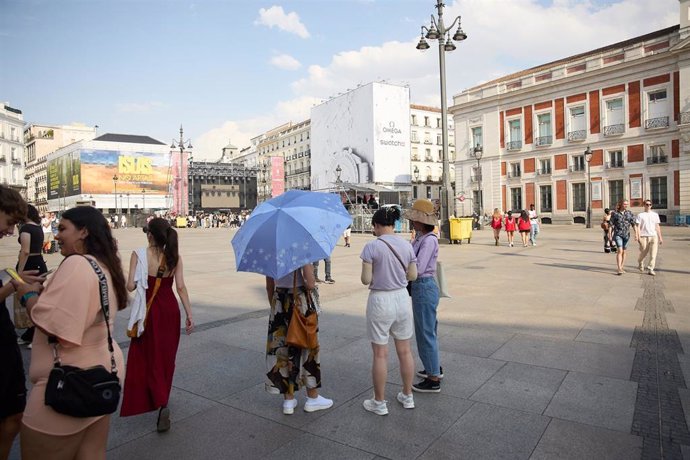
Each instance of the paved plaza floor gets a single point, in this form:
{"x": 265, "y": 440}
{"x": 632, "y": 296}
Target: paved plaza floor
{"x": 546, "y": 354}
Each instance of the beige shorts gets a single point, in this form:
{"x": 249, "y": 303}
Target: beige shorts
{"x": 389, "y": 313}
{"x": 347, "y": 233}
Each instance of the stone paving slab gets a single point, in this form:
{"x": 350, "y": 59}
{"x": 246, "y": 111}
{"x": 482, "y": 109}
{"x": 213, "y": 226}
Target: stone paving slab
{"x": 573, "y": 441}
{"x": 607, "y": 360}
{"x": 520, "y": 386}
{"x": 490, "y": 432}
{"x": 595, "y": 400}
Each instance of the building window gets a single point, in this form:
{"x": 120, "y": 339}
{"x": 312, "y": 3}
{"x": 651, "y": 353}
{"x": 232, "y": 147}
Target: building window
{"x": 426, "y": 121}
{"x": 615, "y": 192}
{"x": 657, "y": 109}
{"x": 438, "y": 122}
{"x": 545, "y": 134}
{"x": 615, "y": 159}
{"x": 614, "y": 118}
{"x": 428, "y": 192}
{"x": 657, "y": 155}
{"x": 427, "y": 137}
{"x": 477, "y": 139}
{"x": 579, "y": 199}
{"x": 476, "y": 200}
{"x": 545, "y": 198}
{"x": 544, "y": 166}
{"x": 415, "y": 154}
{"x": 516, "y": 199}
{"x": 577, "y": 124}
{"x": 578, "y": 163}
{"x": 440, "y": 155}
{"x": 427, "y": 155}
{"x": 414, "y": 120}
{"x": 659, "y": 192}
{"x": 414, "y": 192}
{"x": 515, "y": 132}
{"x": 515, "y": 170}
{"x": 414, "y": 136}
{"x": 439, "y": 139}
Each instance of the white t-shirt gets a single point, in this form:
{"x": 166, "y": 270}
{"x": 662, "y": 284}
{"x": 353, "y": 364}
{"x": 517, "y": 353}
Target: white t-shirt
{"x": 647, "y": 222}
{"x": 532, "y": 216}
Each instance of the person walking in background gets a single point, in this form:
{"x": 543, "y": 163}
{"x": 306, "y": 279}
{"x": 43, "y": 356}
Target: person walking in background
{"x": 123, "y": 221}
{"x": 289, "y": 367}
{"x": 524, "y": 227}
{"x": 534, "y": 225}
{"x": 47, "y": 233}
{"x": 329, "y": 279}
{"x": 69, "y": 308}
{"x": 497, "y": 224}
{"x": 609, "y": 244}
{"x": 649, "y": 236}
{"x": 621, "y": 221}
{"x": 151, "y": 356}
{"x": 346, "y": 235}
{"x": 388, "y": 263}
{"x": 425, "y": 295}
{"x": 510, "y": 227}
{"x": 30, "y": 258}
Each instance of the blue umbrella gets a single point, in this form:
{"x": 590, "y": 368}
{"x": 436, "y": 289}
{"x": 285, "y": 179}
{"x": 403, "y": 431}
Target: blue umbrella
{"x": 289, "y": 231}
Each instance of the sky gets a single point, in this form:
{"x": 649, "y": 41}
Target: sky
{"x": 228, "y": 70}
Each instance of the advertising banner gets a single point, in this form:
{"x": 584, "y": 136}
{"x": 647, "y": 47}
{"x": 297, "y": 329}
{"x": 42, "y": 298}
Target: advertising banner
{"x": 277, "y": 176}
{"x": 64, "y": 176}
{"x": 364, "y": 134}
{"x": 134, "y": 170}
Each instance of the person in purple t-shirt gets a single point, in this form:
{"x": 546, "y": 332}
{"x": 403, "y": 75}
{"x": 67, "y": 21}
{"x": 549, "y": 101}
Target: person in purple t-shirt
{"x": 425, "y": 295}
{"x": 388, "y": 263}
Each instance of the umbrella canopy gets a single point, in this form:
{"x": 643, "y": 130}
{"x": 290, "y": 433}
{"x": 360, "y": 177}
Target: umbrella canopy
{"x": 289, "y": 231}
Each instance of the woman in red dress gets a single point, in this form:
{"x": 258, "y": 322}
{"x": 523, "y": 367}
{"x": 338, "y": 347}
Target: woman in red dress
{"x": 497, "y": 224}
{"x": 524, "y": 227}
{"x": 151, "y": 357}
{"x": 510, "y": 227}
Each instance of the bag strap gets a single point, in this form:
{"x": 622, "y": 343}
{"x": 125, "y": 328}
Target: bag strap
{"x": 395, "y": 254}
{"x": 157, "y": 285}
{"x": 105, "y": 309}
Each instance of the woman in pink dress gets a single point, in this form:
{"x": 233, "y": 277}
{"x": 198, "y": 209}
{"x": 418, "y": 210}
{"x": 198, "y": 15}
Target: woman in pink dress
{"x": 151, "y": 356}
{"x": 69, "y": 308}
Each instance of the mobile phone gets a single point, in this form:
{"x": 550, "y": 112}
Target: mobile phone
{"x": 49, "y": 272}
{"x": 14, "y": 275}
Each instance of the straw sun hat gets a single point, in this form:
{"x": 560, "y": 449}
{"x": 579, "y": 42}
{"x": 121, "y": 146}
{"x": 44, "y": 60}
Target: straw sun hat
{"x": 422, "y": 211}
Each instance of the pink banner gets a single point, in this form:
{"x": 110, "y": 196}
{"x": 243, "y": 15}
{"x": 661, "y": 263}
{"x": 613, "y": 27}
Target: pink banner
{"x": 277, "y": 176}
{"x": 179, "y": 183}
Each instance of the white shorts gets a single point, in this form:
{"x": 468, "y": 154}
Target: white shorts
{"x": 389, "y": 313}
{"x": 347, "y": 232}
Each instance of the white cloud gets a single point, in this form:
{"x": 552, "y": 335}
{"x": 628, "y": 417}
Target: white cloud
{"x": 139, "y": 107}
{"x": 285, "y": 62}
{"x": 503, "y": 37}
{"x": 275, "y": 16}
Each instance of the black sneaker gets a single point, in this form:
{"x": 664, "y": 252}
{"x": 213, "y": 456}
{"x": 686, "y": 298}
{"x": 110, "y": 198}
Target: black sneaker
{"x": 424, "y": 375}
{"x": 329, "y": 281}
{"x": 427, "y": 386}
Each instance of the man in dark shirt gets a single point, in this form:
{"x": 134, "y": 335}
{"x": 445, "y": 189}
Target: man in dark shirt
{"x": 621, "y": 222}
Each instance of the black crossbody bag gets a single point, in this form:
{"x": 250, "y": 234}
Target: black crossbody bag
{"x": 85, "y": 392}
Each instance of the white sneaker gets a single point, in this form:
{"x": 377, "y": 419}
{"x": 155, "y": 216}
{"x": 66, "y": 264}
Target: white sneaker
{"x": 407, "y": 401}
{"x": 289, "y": 406}
{"x": 641, "y": 268}
{"x": 651, "y": 272}
{"x": 377, "y": 407}
{"x": 318, "y": 403}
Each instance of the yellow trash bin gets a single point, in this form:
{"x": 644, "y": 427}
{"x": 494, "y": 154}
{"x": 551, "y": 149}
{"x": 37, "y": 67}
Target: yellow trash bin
{"x": 181, "y": 222}
{"x": 460, "y": 229}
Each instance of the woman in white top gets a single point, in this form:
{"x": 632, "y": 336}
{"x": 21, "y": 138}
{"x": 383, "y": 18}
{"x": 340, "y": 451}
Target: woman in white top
{"x": 388, "y": 263}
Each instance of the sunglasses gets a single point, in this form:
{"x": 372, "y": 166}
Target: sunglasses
{"x": 648, "y": 204}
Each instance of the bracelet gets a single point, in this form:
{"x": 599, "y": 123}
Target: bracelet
{"x": 27, "y": 296}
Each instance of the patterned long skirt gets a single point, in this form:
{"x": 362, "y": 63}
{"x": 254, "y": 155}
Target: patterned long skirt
{"x": 288, "y": 367}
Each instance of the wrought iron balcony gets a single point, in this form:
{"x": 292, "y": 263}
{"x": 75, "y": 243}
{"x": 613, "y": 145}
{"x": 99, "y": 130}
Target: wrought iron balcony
{"x": 658, "y": 122}
{"x": 429, "y": 178}
{"x": 428, "y": 158}
{"x": 415, "y": 141}
{"x": 658, "y": 159}
{"x": 684, "y": 118}
{"x": 415, "y": 157}
{"x": 543, "y": 140}
{"x": 3, "y": 159}
{"x": 16, "y": 161}
{"x": 514, "y": 174}
{"x": 577, "y": 168}
{"x": 514, "y": 145}
{"x": 427, "y": 141}
{"x": 579, "y": 135}
{"x": 614, "y": 130}
{"x": 614, "y": 164}
{"x": 544, "y": 172}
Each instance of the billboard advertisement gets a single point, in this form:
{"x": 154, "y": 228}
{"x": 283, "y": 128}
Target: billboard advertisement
{"x": 277, "y": 176}
{"x": 64, "y": 176}
{"x": 365, "y": 132}
{"x": 89, "y": 171}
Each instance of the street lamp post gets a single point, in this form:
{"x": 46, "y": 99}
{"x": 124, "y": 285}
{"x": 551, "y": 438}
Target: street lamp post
{"x": 128, "y": 203}
{"x": 588, "y": 159}
{"x": 115, "y": 178}
{"x": 191, "y": 168}
{"x": 416, "y": 179}
{"x": 143, "y": 199}
{"x": 180, "y": 178}
{"x": 438, "y": 31}
{"x": 478, "y": 152}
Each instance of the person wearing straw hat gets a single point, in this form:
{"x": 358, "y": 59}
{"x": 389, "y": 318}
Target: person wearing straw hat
{"x": 425, "y": 294}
